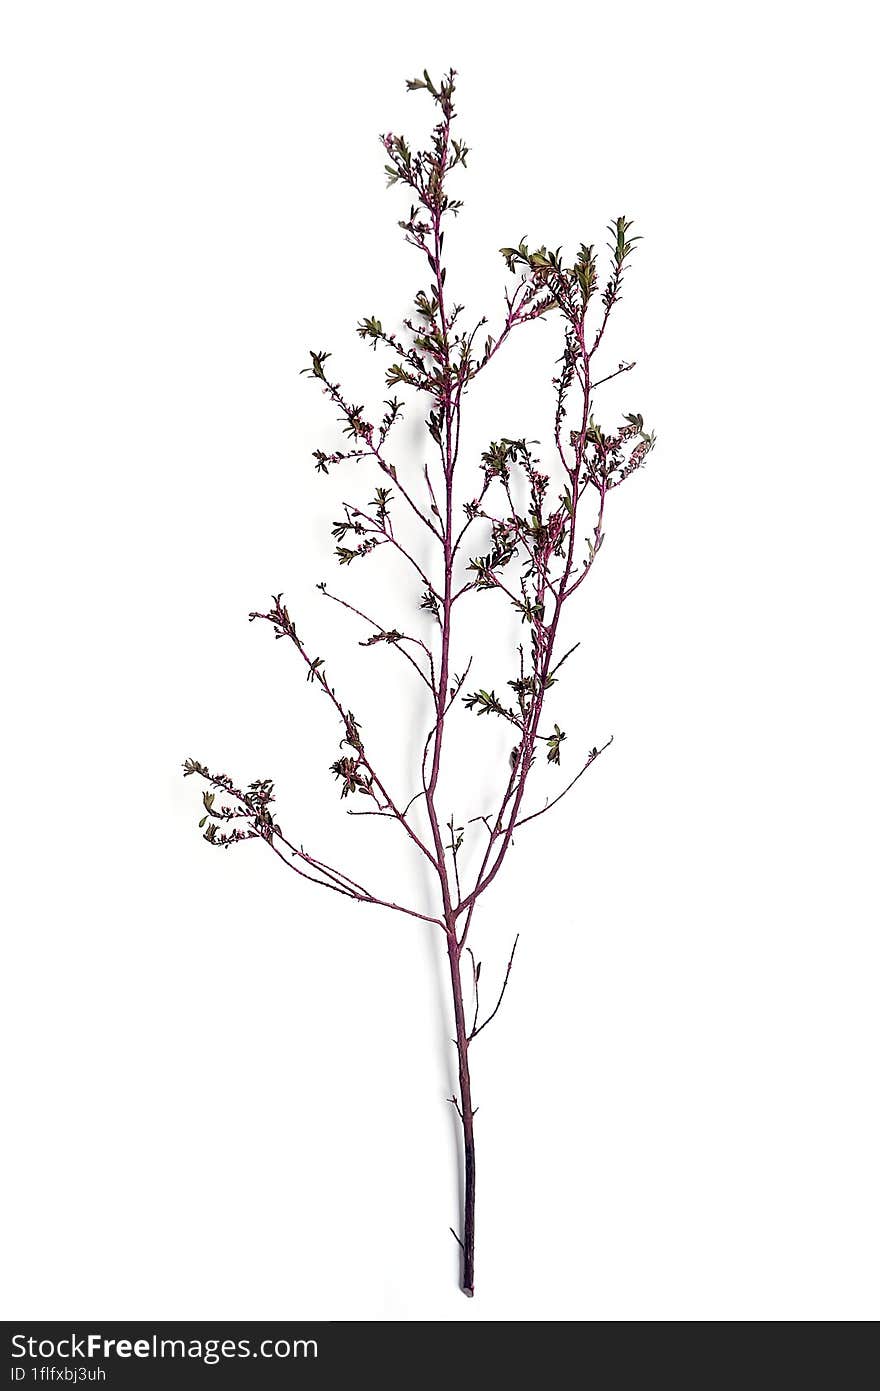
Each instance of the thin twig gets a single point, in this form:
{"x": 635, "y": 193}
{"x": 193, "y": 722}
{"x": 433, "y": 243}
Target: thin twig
{"x": 404, "y": 637}
{"x": 454, "y": 1101}
{"x": 624, "y": 367}
{"x": 475, "y": 1032}
{"x": 592, "y": 759}
{"x": 476, "y": 970}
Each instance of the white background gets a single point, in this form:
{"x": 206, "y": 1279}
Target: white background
{"x": 225, "y": 1091}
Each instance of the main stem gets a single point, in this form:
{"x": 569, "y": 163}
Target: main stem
{"x": 467, "y": 1116}
{"x": 451, "y": 405}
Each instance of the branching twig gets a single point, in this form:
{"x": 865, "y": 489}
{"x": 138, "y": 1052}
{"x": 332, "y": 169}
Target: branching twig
{"x": 535, "y": 548}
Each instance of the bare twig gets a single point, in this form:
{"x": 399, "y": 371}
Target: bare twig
{"x": 590, "y": 761}
{"x": 476, "y": 1031}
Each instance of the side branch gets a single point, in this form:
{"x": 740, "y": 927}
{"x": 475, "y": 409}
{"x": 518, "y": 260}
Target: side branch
{"x": 254, "y": 810}
{"x": 390, "y": 636}
{"x": 359, "y": 894}
{"x": 594, "y": 754}
{"x": 362, "y": 431}
{"x": 478, "y": 1030}
{"x": 374, "y": 528}
{"x": 284, "y": 627}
